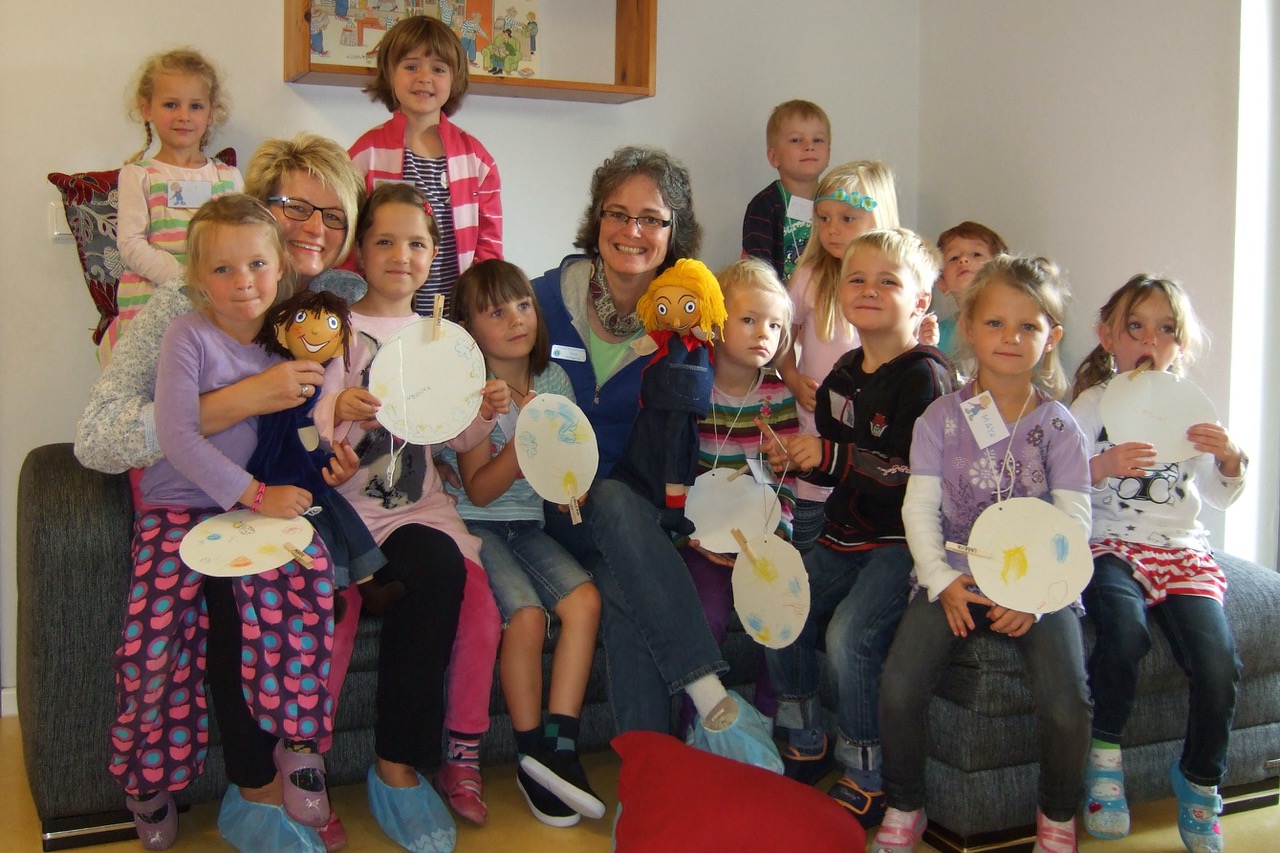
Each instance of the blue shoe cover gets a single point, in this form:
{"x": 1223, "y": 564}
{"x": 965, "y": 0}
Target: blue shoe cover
{"x": 261, "y": 828}
{"x": 747, "y": 739}
{"x": 415, "y": 818}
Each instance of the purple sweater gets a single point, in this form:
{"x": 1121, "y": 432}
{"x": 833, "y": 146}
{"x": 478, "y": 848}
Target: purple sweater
{"x": 196, "y": 356}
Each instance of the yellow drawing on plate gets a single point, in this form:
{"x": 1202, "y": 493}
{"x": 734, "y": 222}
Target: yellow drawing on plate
{"x": 766, "y": 569}
{"x": 1015, "y": 561}
{"x": 570, "y": 484}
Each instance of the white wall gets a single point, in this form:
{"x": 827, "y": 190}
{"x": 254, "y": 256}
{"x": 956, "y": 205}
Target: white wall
{"x": 1102, "y": 135}
{"x": 722, "y": 65}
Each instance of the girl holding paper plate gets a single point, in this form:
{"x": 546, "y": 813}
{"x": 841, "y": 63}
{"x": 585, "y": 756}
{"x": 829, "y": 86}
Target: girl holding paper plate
{"x": 1004, "y": 435}
{"x": 238, "y": 269}
{"x": 756, "y": 332}
{"x": 1152, "y": 562}
{"x": 530, "y": 572}
{"x": 428, "y": 549}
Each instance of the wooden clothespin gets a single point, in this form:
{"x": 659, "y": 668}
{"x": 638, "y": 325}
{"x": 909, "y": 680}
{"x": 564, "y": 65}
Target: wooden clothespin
{"x": 303, "y": 558}
{"x": 437, "y": 314}
{"x": 736, "y": 474}
{"x": 967, "y": 550}
{"x": 773, "y": 436}
{"x": 743, "y": 547}
{"x": 1144, "y": 364}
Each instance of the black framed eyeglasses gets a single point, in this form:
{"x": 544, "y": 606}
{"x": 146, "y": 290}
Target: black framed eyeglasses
{"x": 300, "y": 211}
{"x": 646, "y": 223}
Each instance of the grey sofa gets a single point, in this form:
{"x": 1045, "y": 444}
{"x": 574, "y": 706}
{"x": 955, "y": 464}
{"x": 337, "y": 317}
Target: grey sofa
{"x": 74, "y": 527}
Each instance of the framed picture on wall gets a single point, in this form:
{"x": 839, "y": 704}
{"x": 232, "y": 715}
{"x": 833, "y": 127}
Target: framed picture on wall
{"x": 500, "y": 38}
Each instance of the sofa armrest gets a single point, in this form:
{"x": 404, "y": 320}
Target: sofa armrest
{"x": 74, "y": 529}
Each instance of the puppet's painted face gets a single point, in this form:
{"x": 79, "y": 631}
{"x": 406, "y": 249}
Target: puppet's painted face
{"x": 311, "y": 336}
{"x": 678, "y": 308}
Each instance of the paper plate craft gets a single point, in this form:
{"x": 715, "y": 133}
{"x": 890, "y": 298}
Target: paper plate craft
{"x": 243, "y": 542}
{"x": 1028, "y": 555}
{"x": 556, "y": 448}
{"x": 428, "y": 376}
{"x": 720, "y": 500}
{"x": 770, "y": 589}
{"x": 1156, "y": 407}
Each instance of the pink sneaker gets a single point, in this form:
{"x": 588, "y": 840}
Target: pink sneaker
{"x": 1053, "y": 838}
{"x": 900, "y": 832}
{"x": 333, "y": 833}
{"x": 461, "y": 788}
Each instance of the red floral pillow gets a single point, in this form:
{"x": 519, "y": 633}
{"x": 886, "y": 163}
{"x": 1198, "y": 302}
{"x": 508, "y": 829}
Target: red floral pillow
{"x": 90, "y": 201}
{"x": 674, "y": 797}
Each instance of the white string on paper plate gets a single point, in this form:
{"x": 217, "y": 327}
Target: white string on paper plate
{"x": 1008, "y": 465}
{"x": 394, "y": 458}
{"x": 720, "y": 446}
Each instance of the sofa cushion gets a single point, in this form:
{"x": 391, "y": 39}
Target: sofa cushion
{"x": 90, "y": 200}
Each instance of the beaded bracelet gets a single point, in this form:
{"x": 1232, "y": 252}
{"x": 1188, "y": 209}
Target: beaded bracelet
{"x": 257, "y": 501}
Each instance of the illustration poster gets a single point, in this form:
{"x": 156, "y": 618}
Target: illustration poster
{"x": 500, "y": 38}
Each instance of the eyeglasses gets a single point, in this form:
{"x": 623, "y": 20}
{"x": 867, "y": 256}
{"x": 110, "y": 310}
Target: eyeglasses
{"x": 865, "y": 202}
{"x": 646, "y": 223}
{"x": 300, "y": 211}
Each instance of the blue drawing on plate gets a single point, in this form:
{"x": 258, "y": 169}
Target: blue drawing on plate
{"x": 214, "y": 537}
{"x": 1061, "y": 548}
{"x": 755, "y": 622}
{"x": 528, "y": 443}
{"x": 793, "y": 587}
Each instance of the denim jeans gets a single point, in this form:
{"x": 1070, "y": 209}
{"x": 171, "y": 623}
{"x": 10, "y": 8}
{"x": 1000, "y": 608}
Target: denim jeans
{"x": 807, "y": 520}
{"x": 864, "y": 594}
{"x": 526, "y": 567}
{"x": 656, "y": 640}
{"x": 1202, "y": 644}
{"x": 1052, "y": 653}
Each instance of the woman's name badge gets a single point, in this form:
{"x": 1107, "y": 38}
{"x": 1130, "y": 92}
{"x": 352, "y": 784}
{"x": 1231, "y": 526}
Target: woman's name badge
{"x": 983, "y": 416}
{"x": 564, "y": 353}
{"x": 188, "y": 194}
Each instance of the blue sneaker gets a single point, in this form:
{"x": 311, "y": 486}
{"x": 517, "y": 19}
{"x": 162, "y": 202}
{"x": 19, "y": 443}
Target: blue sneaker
{"x": 744, "y": 735}
{"x": 261, "y": 828}
{"x": 415, "y": 818}
{"x": 1197, "y": 815}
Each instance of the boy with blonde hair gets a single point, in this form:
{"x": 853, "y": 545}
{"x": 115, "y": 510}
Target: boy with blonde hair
{"x": 860, "y": 568}
{"x": 776, "y": 224}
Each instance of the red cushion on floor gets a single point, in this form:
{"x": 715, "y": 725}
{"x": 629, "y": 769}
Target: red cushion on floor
{"x": 675, "y": 797}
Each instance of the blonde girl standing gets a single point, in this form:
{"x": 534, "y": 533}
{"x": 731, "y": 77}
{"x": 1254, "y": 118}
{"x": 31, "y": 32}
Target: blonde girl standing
{"x": 1011, "y": 319}
{"x": 180, "y": 102}
{"x": 531, "y": 574}
{"x": 1152, "y": 562}
{"x": 852, "y": 198}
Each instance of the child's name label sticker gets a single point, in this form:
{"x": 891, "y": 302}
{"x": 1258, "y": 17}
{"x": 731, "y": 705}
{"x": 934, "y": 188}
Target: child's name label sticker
{"x": 841, "y": 408}
{"x": 983, "y": 417}
{"x": 762, "y": 472}
{"x": 188, "y": 195}
{"x": 568, "y": 353}
{"x": 507, "y": 422}
{"x": 800, "y": 208}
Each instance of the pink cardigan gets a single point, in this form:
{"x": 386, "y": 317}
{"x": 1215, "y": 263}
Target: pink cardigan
{"x": 474, "y": 186}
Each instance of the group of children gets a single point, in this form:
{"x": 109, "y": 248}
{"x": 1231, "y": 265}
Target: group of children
{"x": 878, "y": 471}
{"x": 433, "y": 210}
{"x": 883, "y": 430}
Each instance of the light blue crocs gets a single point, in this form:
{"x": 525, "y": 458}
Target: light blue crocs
{"x": 1197, "y": 815}
{"x": 1106, "y": 811}
{"x": 261, "y": 828}
{"x": 745, "y": 739}
{"x": 415, "y": 818}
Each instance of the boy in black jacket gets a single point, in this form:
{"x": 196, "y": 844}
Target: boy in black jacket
{"x": 859, "y": 572}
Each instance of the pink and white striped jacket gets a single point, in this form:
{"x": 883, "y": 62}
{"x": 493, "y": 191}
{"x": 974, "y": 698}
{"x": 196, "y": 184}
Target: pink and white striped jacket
{"x": 474, "y": 186}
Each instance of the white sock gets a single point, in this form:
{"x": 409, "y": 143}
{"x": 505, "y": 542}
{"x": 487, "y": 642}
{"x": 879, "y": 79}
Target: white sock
{"x": 707, "y": 692}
